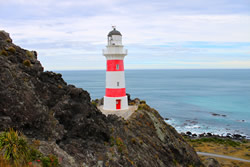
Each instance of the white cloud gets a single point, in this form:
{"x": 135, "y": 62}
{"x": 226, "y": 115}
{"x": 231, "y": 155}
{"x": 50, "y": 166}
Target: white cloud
{"x": 79, "y": 28}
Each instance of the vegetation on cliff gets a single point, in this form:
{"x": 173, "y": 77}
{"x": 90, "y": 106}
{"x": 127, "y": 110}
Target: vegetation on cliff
{"x": 44, "y": 107}
{"x": 15, "y": 151}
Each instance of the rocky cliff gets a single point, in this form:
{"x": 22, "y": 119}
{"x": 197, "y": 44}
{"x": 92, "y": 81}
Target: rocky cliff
{"x": 44, "y": 107}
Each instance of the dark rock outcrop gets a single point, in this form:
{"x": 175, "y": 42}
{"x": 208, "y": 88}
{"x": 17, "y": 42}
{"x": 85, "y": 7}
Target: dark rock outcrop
{"x": 42, "y": 106}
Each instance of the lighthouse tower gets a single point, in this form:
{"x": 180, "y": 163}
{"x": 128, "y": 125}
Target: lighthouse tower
{"x": 115, "y": 97}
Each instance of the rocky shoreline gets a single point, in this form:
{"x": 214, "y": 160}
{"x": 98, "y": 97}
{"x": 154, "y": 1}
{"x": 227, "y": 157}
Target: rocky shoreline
{"x": 237, "y": 137}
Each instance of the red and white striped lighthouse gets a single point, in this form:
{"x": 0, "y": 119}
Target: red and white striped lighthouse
{"x": 115, "y": 97}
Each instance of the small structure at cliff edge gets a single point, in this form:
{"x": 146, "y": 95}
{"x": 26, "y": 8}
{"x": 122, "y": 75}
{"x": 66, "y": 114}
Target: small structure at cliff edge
{"x": 115, "y": 97}
{"x": 115, "y": 100}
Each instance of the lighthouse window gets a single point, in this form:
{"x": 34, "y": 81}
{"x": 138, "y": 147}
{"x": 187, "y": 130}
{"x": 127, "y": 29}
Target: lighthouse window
{"x": 117, "y": 66}
{"x": 117, "y": 83}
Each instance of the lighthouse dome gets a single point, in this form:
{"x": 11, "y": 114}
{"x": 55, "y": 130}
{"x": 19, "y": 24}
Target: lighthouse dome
{"x": 114, "y": 32}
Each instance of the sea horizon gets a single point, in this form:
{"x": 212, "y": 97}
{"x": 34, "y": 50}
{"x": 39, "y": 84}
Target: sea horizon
{"x": 195, "y": 100}
{"x": 56, "y": 70}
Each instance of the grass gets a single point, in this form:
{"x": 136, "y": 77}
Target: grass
{"x": 217, "y": 140}
{"x": 3, "y": 162}
{"x": 223, "y": 147}
{"x": 143, "y": 106}
{"x": 16, "y": 152}
{"x": 227, "y": 162}
{"x": 118, "y": 142}
{"x": 14, "y": 147}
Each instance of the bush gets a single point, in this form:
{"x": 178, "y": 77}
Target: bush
{"x": 27, "y": 63}
{"x": 131, "y": 103}
{"x": 12, "y": 50}
{"x": 14, "y": 147}
{"x": 142, "y": 102}
{"x": 50, "y": 161}
{"x": 15, "y": 150}
{"x": 30, "y": 54}
{"x": 133, "y": 140}
{"x": 218, "y": 141}
{"x": 34, "y": 155}
{"x": 143, "y": 107}
{"x": 3, "y": 52}
{"x": 94, "y": 103}
{"x": 8, "y": 40}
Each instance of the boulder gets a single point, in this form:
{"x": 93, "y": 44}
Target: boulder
{"x": 211, "y": 162}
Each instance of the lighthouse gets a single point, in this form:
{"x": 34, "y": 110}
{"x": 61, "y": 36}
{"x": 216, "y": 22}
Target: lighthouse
{"x": 115, "y": 94}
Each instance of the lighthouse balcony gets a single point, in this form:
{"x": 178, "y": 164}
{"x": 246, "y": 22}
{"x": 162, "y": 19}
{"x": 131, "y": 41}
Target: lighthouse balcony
{"x": 115, "y": 51}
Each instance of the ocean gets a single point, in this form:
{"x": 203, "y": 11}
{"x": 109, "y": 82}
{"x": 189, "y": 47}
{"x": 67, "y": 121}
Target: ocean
{"x": 215, "y": 101}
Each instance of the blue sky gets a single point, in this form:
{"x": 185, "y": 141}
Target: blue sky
{"x": 159, "y": 34}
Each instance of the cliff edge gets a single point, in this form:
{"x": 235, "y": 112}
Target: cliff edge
{"x": 44, "y": 107}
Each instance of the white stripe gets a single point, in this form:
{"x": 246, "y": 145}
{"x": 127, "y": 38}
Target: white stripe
{"x": 115, "y": 79}
{"x": 110, "y": 103}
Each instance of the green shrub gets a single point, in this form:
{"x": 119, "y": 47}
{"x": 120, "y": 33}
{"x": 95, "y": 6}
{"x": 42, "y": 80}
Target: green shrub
{"x": 94, "y": 103}
{"x": 14, "y": 147}
{"x": 30, "y": 54}
{"x": 27, "y": 63}
{"x": 120, "y": 145}
{"x": 133, "y": 140}
{"x": 143, "y": 107}
{"x": 3, "y": 52}
{"x": 112, "y": 141}
{"x": 131, "y": 103}
{"x": 142, "y": 102}
{"x": 12, "y": 50}
{"x": 50, "y": 161}
{"x": 8, "y": 40}
{"x": 34, "y": 154}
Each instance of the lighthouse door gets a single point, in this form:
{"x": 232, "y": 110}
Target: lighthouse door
{"x": 118, "y": 104}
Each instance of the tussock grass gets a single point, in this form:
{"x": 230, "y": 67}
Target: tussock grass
{"x": 14, "y": 147}
{"x": 27, "y": 63}
{"x": 217, "y": 140}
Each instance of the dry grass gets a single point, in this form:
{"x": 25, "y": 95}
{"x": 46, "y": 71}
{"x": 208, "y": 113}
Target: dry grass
{"x": 227, "y": 162}
{"x": 4, "y": 163}
{"x": 240, "y": 151}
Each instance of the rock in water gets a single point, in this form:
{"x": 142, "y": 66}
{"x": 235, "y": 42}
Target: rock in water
{"x": 42, "y": 106}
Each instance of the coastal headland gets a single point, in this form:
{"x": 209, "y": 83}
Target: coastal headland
{"x": 61, "y": 120}
{"x": 57, "y": 122}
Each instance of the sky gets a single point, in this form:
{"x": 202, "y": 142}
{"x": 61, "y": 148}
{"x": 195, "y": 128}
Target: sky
{"x": 159, "y": 34}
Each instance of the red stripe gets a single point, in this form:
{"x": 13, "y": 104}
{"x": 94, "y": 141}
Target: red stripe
{"x": 110, "y": 92}
{"x": 111, "y": 65}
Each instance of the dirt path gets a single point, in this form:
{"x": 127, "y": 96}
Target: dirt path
{"x": 222, "y": 156}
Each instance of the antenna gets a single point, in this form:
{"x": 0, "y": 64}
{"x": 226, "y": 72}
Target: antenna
{"x": 113, "y": 27}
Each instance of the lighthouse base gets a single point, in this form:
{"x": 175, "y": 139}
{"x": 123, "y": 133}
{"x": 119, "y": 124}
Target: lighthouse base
{"x": 115, "y": 103}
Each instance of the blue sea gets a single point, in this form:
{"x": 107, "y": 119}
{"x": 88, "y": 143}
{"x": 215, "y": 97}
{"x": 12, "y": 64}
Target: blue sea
{"x": 215, "y": 101}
